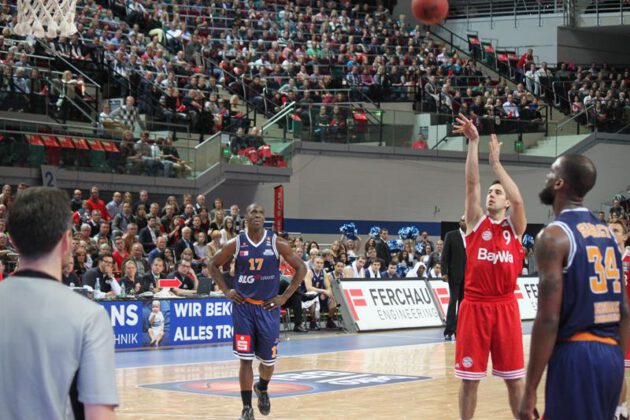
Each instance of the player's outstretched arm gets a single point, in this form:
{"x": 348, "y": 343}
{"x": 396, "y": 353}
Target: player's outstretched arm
{"x": 517, "y": 206}
{"x": 294, "y": 261}
{"x": 552, "y": 249}
{"x": 219, "y": 260}
{"x": 473, "y": 188}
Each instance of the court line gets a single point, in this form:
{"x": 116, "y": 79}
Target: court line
{"x": 424, "y": 379}
{"x": 421, "y": 339}
{"x": 280, "y": 357}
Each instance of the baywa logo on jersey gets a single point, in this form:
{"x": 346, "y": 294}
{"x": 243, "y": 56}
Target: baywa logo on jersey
{"x": 495, "y": 257}
{"x": 486, "y": 235}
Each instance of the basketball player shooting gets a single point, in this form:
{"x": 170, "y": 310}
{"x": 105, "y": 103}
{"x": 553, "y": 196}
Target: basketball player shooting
{"x": 490, "y": 321}
{"x": 256, "y": 309}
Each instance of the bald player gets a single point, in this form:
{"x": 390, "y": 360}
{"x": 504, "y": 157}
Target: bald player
{"x": 581, "y": 327}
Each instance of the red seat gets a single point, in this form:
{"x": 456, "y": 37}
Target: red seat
{"x": 110, "y": 146}
{"x": 35, "y": 141}
{"x": 80, "y": 144}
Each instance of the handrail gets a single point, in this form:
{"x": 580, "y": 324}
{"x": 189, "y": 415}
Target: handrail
{"x": 60, "y": 57}
{"x": 91, "y": 119}
{"x": 623, "y": 128}
{"x": 573, "y": 117}
{"x": 209, "y": 139}
{"x": 280, "y": 115}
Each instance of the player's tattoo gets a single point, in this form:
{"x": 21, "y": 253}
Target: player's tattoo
{"x": 547, "y": 253}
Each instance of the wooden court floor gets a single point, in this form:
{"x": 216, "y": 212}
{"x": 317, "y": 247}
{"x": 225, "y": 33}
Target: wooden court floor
{"x": 435, "y": 398}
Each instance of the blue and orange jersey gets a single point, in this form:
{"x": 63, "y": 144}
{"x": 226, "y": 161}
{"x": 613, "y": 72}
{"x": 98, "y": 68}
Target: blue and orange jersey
{"x": 257, "y": 269}
{"x": 593, "y": 286}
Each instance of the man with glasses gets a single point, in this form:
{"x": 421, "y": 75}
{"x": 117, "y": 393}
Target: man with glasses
{"x": 187, "y": 276}
{"x": 102, "y": 278}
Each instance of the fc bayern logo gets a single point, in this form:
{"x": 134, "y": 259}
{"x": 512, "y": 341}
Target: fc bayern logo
{"x": 467, "y": 362}
{"x": 486, "y": 235}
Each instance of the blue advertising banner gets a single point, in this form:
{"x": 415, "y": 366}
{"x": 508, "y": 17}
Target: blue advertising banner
{"x": 126, "y": 317}
{"x": 157, "y": 323}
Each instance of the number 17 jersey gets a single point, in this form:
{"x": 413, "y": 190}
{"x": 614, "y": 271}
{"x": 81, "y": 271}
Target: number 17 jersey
{"x": 592, "y": 288}
{"x": 257, "y": 267}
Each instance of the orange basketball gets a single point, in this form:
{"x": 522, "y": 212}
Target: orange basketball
{"x": 430, "y": 12}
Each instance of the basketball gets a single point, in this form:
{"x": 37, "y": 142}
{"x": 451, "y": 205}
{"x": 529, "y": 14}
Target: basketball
{"x": 430, "y": 12}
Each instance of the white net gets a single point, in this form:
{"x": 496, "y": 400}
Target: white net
{"x": 46, "y": 18}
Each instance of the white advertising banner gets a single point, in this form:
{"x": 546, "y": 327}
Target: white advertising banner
{"x": 390, "y": 304}
{"x": 526, "y": 294}
{"x": 442, "y": 296}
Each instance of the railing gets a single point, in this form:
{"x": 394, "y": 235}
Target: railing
{"x": 284, "y": 114}
{"x": 610, "y": 7}
{"x": 65, "y": 64}
{"x": 479, "y": 8}
{"x": 85, "y": 150}
{"x": 206, "y": 154}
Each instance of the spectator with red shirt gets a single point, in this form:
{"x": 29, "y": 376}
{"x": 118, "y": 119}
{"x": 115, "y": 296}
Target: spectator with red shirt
{"x": 2, "y": 268}
{"x": 94, "y": 203}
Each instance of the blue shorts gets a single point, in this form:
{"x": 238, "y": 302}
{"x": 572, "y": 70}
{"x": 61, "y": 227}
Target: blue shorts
{"x": 256, "y": 332}
{"x": 584, "y": 381}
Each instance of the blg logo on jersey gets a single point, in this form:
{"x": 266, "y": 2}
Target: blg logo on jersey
{"x": 494, "y": 257}
{"x": 246, "y": 279}
{"x": 243, "y": 343}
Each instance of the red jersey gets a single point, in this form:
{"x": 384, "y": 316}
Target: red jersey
{"x": 494, "y": 259}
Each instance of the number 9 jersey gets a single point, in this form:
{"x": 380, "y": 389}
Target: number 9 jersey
{"x": 593, "y": 289}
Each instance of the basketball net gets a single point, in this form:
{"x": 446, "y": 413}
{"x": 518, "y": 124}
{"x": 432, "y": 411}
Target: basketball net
{"x": 46, "y": 18}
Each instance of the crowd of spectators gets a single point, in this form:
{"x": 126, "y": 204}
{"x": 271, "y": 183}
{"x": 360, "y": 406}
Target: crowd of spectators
{"x": 180, "y": 60}
{"x": 125, "y": 245}
{"x": 598, "y": 94}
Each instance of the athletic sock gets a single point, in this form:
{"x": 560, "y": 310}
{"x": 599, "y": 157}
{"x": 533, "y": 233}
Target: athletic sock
{"x": 624, "y": 409}
{"x": 262, "y": 384}
{"x": 246, "y": 396}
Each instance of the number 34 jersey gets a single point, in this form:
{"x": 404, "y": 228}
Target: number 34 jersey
{"x": 494, "y": 259}
{"x": 257, "y": 268}
{"x": 592, "y": 284}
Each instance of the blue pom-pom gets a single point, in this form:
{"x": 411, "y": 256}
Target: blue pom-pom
{"x": 408, "y": 232}
{"x": 420, "y": 248}
{"x": 528, "y": 241}
{"x": 402, "y": 270}
{"x": 413, "y": 232}
{"x": 349, "y": 230}
{"x": 395, "y": 245}
{"x": 375, "y": 231}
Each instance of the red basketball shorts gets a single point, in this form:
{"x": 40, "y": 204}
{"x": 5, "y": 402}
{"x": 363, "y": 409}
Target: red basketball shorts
{"x": 485, "y": 328}
{"x": 626, "y": 360}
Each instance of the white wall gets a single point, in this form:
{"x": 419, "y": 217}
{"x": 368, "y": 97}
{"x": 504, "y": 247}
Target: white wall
{"x": 505, "y": 33}
{"x": 355, "y": 188}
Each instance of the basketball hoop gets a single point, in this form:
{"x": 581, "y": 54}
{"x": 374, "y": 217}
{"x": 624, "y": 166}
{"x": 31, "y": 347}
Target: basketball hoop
{"x": 46, "y": 18}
